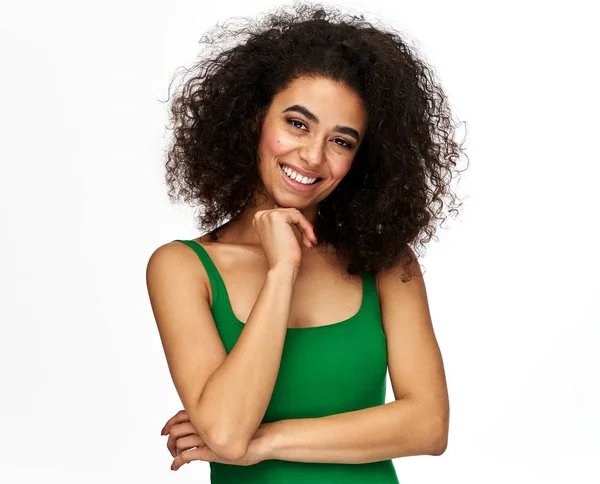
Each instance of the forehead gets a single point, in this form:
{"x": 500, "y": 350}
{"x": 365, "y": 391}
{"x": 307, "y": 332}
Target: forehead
{"x": 329, "y": 100}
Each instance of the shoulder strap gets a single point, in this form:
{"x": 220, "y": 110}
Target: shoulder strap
{"x": 371, "y": 295}
{"x": 209, "y": 267}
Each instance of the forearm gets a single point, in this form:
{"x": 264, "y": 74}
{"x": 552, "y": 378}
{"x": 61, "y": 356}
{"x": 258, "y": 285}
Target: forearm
{"x": 397, "y": 429}
{"x": 236, "y": 396}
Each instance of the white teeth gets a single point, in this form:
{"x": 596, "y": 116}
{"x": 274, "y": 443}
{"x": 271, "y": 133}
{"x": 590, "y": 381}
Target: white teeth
{"x": 296, "y": 176}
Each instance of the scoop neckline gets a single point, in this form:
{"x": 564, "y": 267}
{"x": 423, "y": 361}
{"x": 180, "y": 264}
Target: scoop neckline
{"x": 292, "y": 329}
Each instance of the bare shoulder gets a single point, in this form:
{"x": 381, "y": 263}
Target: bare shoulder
{"x": 391, "y": 280}
{"x": 175, "y": 263}
{"x": 172, "y": 251}
{"x": 403, "y": 302}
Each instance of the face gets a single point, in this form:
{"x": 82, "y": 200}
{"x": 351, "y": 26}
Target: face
{"x": 312, "y": 129}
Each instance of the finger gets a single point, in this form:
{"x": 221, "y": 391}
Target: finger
{"x": 186, "y": 443}
{"x": 171, "y": 423}
{"x": 178, "y": 432}
{"x": 188, "y": 456}
{"x": 303, "y": 225}
{"x": 179, "y": 417}
{"x": 181, "y": 430}
{"x": 307, "y": 241}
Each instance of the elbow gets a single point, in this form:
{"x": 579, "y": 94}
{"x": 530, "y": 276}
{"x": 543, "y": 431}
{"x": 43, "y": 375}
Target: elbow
{"x": 439, "y": 447}
{"x": 223, "y": 440}
{"x": 227, "y": 448}
{"x": 439, "y": 437}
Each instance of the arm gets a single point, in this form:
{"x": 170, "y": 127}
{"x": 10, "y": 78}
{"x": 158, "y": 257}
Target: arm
{"x": 397, "y": 429}
{"x": 415, "y": 423}
{"x": 225, "y": 396}
{"x": 237, "y": 394}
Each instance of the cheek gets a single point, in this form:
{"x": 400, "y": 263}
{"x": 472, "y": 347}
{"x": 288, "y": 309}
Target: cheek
{"x": 340, "y": 170}
{"x": 274, "y": 143}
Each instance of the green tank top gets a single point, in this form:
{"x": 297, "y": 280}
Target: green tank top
{"x": 324, "y": 370}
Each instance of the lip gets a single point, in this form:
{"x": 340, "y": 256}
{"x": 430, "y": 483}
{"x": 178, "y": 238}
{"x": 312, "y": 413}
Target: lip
{"x": 296, "y": 185}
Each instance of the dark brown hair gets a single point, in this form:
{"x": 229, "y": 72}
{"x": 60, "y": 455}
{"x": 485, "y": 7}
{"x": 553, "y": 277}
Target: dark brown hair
{"x": 398, "y": 186}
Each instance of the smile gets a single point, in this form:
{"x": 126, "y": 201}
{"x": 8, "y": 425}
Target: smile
{"x": 297, "y": 181}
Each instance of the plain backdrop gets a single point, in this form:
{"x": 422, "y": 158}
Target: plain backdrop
{"x": 512, "y": 282}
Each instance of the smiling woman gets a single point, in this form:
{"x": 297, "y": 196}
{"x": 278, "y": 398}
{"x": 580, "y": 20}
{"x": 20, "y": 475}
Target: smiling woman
{"x": 327, "y": 144}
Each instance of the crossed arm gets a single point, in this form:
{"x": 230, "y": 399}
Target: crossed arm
{"x": 415, "y": 423}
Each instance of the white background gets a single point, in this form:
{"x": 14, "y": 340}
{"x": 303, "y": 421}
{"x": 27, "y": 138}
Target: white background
{"x": 512, "y": 284}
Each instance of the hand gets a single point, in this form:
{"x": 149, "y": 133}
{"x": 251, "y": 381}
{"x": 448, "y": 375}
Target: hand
{"x": 274, "y": 227}
{"x": 186, "y": 445}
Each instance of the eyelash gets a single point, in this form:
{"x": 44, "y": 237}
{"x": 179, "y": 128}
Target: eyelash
{"x": 348, "y": 145}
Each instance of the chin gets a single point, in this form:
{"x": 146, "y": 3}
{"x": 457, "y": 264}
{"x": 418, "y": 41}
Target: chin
{"x": 286, "y": 203}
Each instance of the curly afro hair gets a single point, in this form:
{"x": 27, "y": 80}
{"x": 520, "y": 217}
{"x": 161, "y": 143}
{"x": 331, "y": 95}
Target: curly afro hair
{"x": 399, "y": 182}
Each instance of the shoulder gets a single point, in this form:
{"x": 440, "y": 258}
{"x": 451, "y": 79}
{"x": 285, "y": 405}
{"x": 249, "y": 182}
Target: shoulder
{"x": 175, "y": 263}
{"x": 391, "y": 281}
{"x": 172, "y": 254}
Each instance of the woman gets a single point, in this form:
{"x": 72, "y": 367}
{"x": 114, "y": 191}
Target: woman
{"x": 328, "y": 146}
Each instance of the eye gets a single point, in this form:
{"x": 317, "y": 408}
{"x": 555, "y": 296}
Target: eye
{"x": 293, "y": 120}
{"x": 346, "y": 144}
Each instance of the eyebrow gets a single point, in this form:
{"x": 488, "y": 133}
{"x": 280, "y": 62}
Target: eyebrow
{"x": 340, "y": 129}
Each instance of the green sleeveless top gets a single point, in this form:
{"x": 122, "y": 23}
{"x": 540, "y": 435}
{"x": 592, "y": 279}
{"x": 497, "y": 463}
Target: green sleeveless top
{"x": 324, "y": 370}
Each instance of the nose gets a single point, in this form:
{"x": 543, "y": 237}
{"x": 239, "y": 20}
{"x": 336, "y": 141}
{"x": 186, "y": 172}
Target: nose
{"x": 312, "y": 152}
